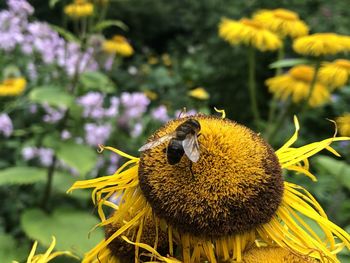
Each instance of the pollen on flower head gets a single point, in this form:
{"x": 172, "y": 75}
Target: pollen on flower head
{"x": 235, "y": 186}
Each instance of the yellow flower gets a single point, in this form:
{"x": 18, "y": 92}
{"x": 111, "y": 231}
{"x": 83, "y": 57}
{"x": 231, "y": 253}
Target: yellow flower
{"x": 153, "y": 60}
{"x": 151, "y": 94}
{"x": 199, "y": 93}
{"x": 275, "y": 255}
{"x": 218, "y": 207}
{"x": 12, "y": 86}
{"x": 296, "y": 84}
{"x": 343, "y": 123}
{"x": 320, "y": 44}
{"x": 335, "y": 74}
{"x": 248, "y": 32}
{"x": 282, "y": 22}
{"x": 166, "y": 60}
{"x": 118, "y": 45}
{"x": 48, "y": 256}
{"x": 79, "y": 9}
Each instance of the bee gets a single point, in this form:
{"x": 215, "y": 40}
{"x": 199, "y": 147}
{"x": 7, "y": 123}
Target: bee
{"x": 182, "y": 141}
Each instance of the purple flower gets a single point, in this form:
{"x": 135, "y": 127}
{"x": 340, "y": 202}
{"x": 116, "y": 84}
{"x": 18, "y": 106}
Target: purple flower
{"x": 135, "y": 104}
{"x": 29, "y": 153}
{"x": 109, "y": 62}
{"x": 53, "y": 115}
{"x": 92, "y": 103}
{"x": 32, "y": 72}
{"x": 6, "y": 126}
{"x": 45, "y": 156}
{"x": 137, "y": 130}
{"x": 33, "y": 108}
{"x": 20, "y": 7}
{"x": 160, "y": 114}
{"x": 11, "y": 27}
{"x": 97, "y": 134}
{"x": 65, "y": 135}
{"x": 113, "y": 109}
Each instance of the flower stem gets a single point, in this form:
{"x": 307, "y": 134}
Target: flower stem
{"x": 48, "y": 188}
{"x": 273, "y": 104}
{"x": 312, "y": 84}
{"x": 252, "y": 86}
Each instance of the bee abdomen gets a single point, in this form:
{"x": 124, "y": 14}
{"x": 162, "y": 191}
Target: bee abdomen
{"x": 175, "y": 151}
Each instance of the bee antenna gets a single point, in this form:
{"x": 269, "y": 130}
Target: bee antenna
{"x": 183, "y": 111}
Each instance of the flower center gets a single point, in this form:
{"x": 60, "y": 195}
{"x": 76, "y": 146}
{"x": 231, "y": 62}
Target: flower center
{"x": 251, "y": 23}
{"x": 234, "y": 186}
{"x": 343, "y": 63}
{"x": 286, "y": 14}
{"x": 302, "y": 73}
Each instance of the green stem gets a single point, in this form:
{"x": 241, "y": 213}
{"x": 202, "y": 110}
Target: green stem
{"x": 252, "y": 86}
{"x": 312, "y": 84}
{"x": 273, "y": 104}
{"x": 271, "y": 132}
{"x": 48, "y": 188}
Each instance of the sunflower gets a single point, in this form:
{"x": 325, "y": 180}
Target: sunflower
{"x": 248, "y": 32}
{"x": 296, "y": 84}
{"x": 343, "y": 123}
{"x": 275, "y": 255}
{"x": 48, "y": 256}
{"x": 118, "y": 45}
{"x": 218, "y": 207}
{"x": 335, "y": 74}
{"x": 79, "y": 9}
{"x": 321, "y": 44}
{"x": 12, "y": 86}
{"x": 282, "y": 22}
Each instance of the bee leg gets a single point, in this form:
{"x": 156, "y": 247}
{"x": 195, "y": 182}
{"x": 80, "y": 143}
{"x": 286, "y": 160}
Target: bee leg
{"x": 191, "y": 169}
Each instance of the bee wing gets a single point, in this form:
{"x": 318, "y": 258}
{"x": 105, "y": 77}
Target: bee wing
{"x": 191, "y": 147}
{"x": 157, "y": 142}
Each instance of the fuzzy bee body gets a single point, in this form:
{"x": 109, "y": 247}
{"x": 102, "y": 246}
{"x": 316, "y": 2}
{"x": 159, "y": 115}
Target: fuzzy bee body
{"x": 182, "y": 141}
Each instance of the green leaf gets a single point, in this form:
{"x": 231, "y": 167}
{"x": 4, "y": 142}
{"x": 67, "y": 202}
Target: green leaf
{"x": 22, "y": 175}
{"x": 340, "y": 170}
{"x": 10, "y": 250}
{"x": 52, "y": 95}
{"x": 63, "y": 181}
{"x": 52, "y": 3}
{"x": 108, "y": 23}
{"x": 289, "y": 62}
{"x": 65, "y": 33}
{"x": 94, "y": 80}
{"x": 70, "y": 227}
{"x": 78, "y": 156}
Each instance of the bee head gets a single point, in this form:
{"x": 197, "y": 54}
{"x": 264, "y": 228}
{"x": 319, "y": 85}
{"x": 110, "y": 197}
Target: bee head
{"x": 194, "y": 123}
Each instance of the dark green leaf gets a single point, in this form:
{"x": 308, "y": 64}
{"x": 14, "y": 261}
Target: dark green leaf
{"x": 78, "y": 156}
{"x": 108, "y": 23}
{"x": 290, "y": 62}
{"x": 70, "y": 227}
{"x": 22, "y": 175}
{"x": 52, "y": 95}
